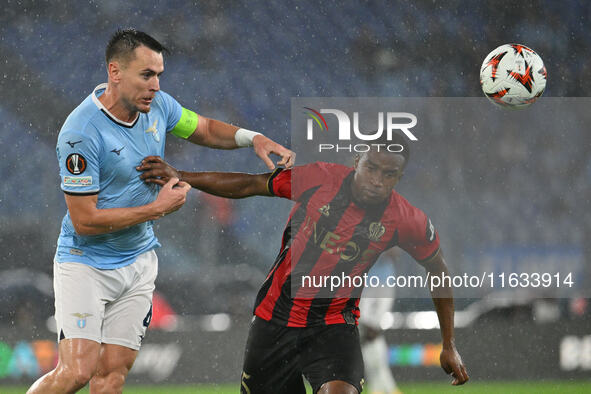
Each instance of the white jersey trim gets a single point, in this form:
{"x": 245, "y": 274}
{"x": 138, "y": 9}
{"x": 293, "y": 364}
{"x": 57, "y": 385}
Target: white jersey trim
{"x": 106, "y": 111}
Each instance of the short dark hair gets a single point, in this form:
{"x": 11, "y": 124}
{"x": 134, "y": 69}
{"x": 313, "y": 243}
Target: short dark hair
{"x": 124, "y": 41}
{"x": 396, "y": 139}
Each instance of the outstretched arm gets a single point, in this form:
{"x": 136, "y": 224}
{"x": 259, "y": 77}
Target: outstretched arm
{"x": 217, "y": 134}
{"x": 223, "y": 184}
{"x": 450, "y": 359}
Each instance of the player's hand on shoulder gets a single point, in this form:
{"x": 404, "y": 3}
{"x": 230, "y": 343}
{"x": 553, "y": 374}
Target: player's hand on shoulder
{"x": 156, "y": 170}
{"x": 264, "y": 146}
{"x": 452, "y": 364}
{"x": 171, "y": 197}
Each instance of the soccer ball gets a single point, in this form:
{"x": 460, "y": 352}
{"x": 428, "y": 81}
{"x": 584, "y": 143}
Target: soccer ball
{"x": 513, "y": 76}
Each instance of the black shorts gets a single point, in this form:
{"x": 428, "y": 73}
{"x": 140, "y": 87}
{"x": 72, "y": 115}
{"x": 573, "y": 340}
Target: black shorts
{"x": 276, "y": 357}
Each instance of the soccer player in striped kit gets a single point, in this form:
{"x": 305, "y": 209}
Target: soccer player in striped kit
{"x": 342, "y": 220}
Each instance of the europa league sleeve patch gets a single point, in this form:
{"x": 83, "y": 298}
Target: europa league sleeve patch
{"x": 76, "y": 163}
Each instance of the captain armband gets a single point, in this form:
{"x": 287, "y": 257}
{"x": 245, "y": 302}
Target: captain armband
{"x": 186, "y": 125}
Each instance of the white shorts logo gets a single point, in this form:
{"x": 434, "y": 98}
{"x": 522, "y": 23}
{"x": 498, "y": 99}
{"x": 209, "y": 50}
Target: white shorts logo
{"x": 81, "y": 322}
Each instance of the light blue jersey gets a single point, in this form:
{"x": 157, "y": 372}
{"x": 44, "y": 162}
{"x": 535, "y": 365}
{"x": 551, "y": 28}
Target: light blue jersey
{"x": 98, "y": 154}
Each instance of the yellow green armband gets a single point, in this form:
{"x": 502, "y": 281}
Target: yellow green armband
{"x": 186, "y": 125}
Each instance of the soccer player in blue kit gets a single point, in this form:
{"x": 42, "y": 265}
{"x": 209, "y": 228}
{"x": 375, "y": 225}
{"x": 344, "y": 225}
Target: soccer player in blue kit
{"x": 105, "y": 265}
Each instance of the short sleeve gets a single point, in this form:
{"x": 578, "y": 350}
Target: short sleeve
{"x": 419, "y": 237}
{"x": 279, "y": 183}
{"x": 292, "y": 183}
{"x": 78, "y": 156}
{"x": 172, "y": 110}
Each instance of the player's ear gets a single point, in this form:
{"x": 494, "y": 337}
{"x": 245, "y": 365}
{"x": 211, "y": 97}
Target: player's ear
{"x": 398, "y": 177}
{"x": 356, "y": 160}
{"x": 114, "y": 71}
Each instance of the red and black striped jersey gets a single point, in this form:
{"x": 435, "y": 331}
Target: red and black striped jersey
{"x": 329, "y": 234}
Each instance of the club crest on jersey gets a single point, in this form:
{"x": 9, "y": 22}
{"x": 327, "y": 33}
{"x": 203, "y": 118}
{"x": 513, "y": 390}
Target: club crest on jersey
{"x": 76, "y": 163}
{"x": 154, "y": 130}
{"x": 81, "y": 322}
{"x": 375, "y": 231}
{"x": 325, "y": 210}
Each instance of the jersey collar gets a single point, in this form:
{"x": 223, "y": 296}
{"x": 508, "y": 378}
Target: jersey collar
{"x": 103, "y": 86}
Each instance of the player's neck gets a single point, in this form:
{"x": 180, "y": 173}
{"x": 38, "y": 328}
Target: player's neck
{"x": 113, "y": 103}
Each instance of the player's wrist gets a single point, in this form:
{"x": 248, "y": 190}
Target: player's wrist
{"x": 244, "y": 138}
{"x": 157, "y": 210}
{"x": 181, "y": 175}
{"x": 449, "y": 344}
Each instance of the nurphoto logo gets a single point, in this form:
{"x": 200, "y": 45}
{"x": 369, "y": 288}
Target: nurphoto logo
{"x": 388, "y": 122}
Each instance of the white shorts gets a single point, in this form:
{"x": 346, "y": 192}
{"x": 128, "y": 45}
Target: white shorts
{"x": 106, "y": 306}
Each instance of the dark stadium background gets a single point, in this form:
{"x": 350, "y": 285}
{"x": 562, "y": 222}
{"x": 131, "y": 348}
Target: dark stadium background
{"x": 243, "y": 62}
